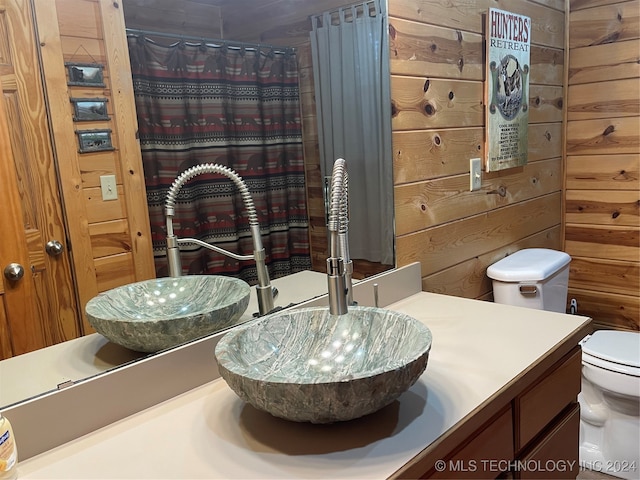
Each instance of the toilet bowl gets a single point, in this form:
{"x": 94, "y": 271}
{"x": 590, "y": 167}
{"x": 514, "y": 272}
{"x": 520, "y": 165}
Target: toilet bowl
{"x": 610, "y": 403}
{"x": 610, "y": 397}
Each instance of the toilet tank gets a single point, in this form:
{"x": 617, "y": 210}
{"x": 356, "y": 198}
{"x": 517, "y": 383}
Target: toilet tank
{"x": 533, "y": 278}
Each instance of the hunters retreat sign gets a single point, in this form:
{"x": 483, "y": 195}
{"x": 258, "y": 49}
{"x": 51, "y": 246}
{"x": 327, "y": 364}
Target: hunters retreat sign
{"x": 507, "y": 92}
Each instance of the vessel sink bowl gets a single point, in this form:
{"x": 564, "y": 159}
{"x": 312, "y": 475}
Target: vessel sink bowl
{"x": 310, "y": 366}
{"x": 156, "y": 314}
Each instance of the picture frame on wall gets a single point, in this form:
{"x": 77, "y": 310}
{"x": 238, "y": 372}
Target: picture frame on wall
{"x": 85, "y": 74}
{"x": 89, "y": 109}
{"x": 94, "y": 140}
{"x": 507, "y": 89}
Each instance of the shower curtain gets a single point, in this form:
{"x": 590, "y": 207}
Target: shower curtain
{"x": 350, "y": 49}
{"x": 219, "y": 103}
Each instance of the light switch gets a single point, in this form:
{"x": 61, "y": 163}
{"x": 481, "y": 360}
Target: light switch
{"x": 475, "y": 174}
{"x": 109, "y": 187}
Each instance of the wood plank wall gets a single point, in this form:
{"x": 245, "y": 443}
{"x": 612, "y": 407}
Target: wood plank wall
{"x": 111, "y": 240}
{"x": 437, "y": 67}
{"x": 603, "y": 161}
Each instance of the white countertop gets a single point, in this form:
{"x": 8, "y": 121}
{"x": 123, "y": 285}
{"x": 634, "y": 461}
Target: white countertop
{"x": 479, "y": 349}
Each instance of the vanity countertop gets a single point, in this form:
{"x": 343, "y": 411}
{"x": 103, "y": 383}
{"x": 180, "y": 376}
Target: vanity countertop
{"x": 480, "y": 353}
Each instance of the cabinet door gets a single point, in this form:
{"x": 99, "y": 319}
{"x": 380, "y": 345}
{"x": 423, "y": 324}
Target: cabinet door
{"x": 556, "y": 455}
{"x": 544, "y": 400}
{"x": 487, "y": 454}
{"x": 40, "y": 306}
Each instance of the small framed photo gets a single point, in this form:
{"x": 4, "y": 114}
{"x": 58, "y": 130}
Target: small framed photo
{"x": 85, "y": 74}
{"x": 88, "y": 109}
{"x": 94, "y": 140}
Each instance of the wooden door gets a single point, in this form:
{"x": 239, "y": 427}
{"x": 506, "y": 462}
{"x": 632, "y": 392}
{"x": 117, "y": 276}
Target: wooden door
{"x": 39, "y": 309}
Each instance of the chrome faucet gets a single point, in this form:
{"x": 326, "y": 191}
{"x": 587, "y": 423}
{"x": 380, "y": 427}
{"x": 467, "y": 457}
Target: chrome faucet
{"x": 263, "y": 289}
{"x": 339, "y": 264}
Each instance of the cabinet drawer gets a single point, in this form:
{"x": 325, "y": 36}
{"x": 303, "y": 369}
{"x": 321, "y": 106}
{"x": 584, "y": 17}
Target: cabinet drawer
{"x": 556, "y": 455}
{"x": 488, "y": 452}
{"x": 540, "y": 404}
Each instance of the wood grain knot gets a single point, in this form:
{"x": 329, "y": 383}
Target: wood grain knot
{"x": 451, "y": 95}
{"x": 425, "y": 87}
{"x": 392, "y": 31}
{"x": 437, "y": 140}
{"x": 615, "y": 214}
{"x": 609, "y": 130}
{"x": 423, "y": 207}
{"x": 429, "y": 110}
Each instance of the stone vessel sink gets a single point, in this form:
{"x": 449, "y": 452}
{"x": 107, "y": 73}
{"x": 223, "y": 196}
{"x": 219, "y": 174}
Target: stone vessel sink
{"x": 155, "y": 314}
{"x": 310, "y": 366}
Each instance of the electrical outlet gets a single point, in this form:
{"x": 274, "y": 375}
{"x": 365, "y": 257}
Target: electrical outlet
{"x": 475, "y": 174}
{"x": 109, "y": 187}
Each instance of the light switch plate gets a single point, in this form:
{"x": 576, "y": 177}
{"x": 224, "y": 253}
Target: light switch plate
{"x": 475, "y": 174}
{"x": 108, "y": 187}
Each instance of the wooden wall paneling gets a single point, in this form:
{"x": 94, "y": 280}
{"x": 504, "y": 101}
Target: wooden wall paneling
{"x": 110, "y": 238}
{"x": 547, "y": 23}
{"x": 615, "y": 98}
{"x": 79, "y": 20}
{"x": 605, "y": 275}
{"x": 423, "y": 154}
{"x": 603, "y": 207}
{"x": 604, "y": 24}
{"x": 604, "y": 63}
{"x": 603, "y": 136}
{"x": 469, "y": 278}
{"x": 596, "y": 172}
{"x": 99, "y": 210}
{"x": 93, "y": 165}
{"x": 195, "y": 18}
{"x": 547, "y": 65}
{"x": 608, "y": 310}
{"x": 582, "y": 4}
{"x": 546, "y": 104}
{"x": 545, "y": 141}
{"x": 416, "y": 48}
{"x": 114, "y": 270}
{"x": 422, "y": 103}
{"x": 434, "y": 202}
{"x": 603, "y": 241}
{"x": 126, "y": 127}
{"x": 446, "y": 245}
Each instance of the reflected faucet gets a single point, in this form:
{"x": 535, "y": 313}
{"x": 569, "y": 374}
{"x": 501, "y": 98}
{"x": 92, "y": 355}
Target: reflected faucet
{"x": 339, "y": 263}
{"x": 263, "y": 289}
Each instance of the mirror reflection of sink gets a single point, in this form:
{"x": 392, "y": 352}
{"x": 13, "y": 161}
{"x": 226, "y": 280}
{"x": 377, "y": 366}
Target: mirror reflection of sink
{"x": 156, "y": 314}
{"x": 307, "y": 365}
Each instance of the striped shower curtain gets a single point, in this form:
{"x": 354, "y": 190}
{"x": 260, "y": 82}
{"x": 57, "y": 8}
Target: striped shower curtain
{"x": 239, "y": 107}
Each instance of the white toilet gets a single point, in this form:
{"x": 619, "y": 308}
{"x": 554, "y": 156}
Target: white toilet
{"x": 610, "y": 397}
{"x": 610, "y": 403}
{"x": 534, "y": 278}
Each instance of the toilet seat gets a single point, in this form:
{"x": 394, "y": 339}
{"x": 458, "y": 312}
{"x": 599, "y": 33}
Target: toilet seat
{"x": 613, "y": 350}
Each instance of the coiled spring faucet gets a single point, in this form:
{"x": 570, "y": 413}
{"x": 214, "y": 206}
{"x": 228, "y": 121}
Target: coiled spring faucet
{"x": 263, "y": 289}
{"x": 339, "y": 264}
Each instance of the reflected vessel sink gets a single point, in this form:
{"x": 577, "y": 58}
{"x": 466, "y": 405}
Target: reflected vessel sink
{"x": 310, "y": 366}
{"x": 156, "y": 314}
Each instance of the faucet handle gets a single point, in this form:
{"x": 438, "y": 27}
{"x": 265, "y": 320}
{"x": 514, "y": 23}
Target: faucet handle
{"x": 375, "y": 295}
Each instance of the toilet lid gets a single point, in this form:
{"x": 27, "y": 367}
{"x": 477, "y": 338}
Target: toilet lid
{"x": 614, "y": 350}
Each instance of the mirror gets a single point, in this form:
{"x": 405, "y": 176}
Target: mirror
{"x": 100, "y": 355}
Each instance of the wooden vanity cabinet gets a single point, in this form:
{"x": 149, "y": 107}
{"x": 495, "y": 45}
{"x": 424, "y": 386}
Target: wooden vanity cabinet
{"x": 535, "y": 435}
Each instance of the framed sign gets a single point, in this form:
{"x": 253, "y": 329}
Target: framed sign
{"x": 94, "y": 140}
{"x": 507, "y": 89}
{"x": 85, "y": 74}
{"x": 88, "y": 109}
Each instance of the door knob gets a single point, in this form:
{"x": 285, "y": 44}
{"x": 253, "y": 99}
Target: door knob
{"x": 54, "y": 248}
{"x": 14, "y": 272}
